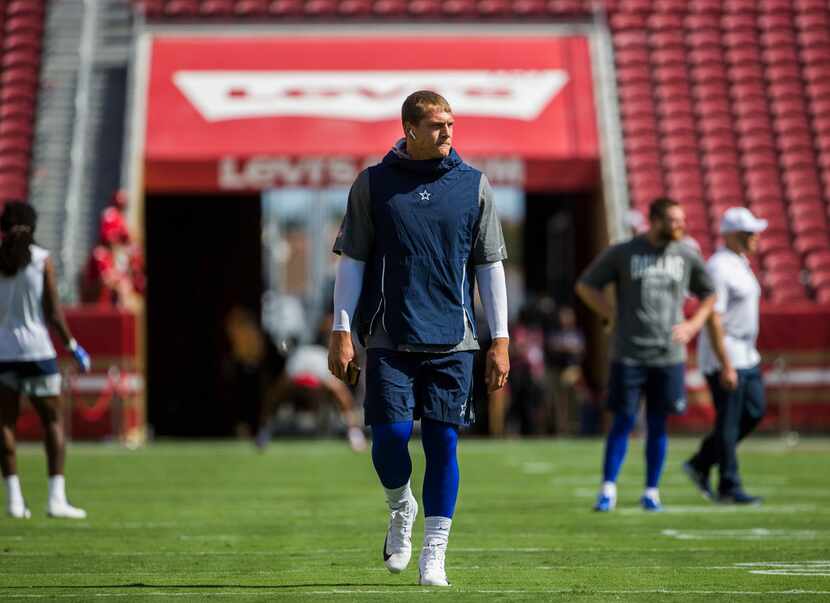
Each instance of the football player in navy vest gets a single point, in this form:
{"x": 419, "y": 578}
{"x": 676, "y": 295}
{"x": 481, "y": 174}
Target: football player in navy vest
{"x": 420, "y": 229}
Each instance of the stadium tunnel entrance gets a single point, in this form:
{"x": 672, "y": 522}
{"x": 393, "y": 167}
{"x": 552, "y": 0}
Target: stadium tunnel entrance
{"x": 265, "y": 136}
{"x": 204, "y": 258}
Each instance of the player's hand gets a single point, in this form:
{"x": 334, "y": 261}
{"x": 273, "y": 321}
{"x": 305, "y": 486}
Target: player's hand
{"x": 341, "y": 352}
{"x": 683, "y": 332}
{"x": 729, "y": 378}
{"x": 608, "y": 325}
{"x": 497, "y": 366}
{"x": 81, "y": 356}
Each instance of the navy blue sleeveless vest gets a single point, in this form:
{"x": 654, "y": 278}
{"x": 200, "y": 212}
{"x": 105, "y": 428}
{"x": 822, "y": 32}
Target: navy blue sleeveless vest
{"x": 419, "y": 282}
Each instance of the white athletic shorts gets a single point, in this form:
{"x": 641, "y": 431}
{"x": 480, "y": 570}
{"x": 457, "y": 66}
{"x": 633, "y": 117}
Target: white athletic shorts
{"x": 39, "y": 378}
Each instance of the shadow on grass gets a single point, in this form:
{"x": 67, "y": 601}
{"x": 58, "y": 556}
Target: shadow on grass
{"x": 217, "y": 586}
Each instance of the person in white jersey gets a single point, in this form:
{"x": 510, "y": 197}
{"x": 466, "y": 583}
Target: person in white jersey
{"x": 28, "y": 364}
{"x": 728, "y": 358}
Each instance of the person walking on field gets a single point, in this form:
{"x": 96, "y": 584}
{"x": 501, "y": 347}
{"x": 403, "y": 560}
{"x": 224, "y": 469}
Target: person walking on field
{"x": 28, "y": 362}
{"x": 419, "y": 230}
{"x": 727, "y": 356}
{"x": 652, "y": 274}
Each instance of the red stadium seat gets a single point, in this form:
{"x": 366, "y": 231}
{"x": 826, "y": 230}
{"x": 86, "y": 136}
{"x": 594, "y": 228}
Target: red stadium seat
{"x": 634, "y": 74}
{"x": 743, "y": 56}
{"x": 798, "y": 160}
{"x": 528, "y": 8}
{"x": 739, "y": 22}
{"x": 292, "y": 8}
{"x": 818, "y": 260}
{"x": 820, "y": 279}
{"x": 21, "y": 58}
{"x": 702, "y": 21}
{"x": 25, "y": 7}
{"x": 775, "y": 21}
{"x": 250, "y": 8}
{"x": 493, "y": 8}
{"x": 813, "y": 21}
{"x": 823, "y": 295}
{"x": 778, "y": 38}
{"x": 809, "y": 6}
{"x": 16, "y": 127}
{"x": 216, "y": 8}
{"x": 740, "y": 6}
{"x": 775, "y": 6}
{"x": 181, "y": 8}
{"x": 26, "y": 40}
{"x": 705, "y": 6}
{"x": 14, "y": 144}
{"x": 773, "y": 242}
{"x": 787, "y": 294}
{"x": 782, "y": 261}
{"x": 788, "y": 107}
{"x": 784, "y": 279}
{"x": 810, "y": 39}
{"x": 671, "y": 73}
{"x": 363, "y": 8}
{"x": 739, "y": 38}
{"x": 810, "y": 243}
{"x": 705, "y": 39}
{"x": 808, "y": 223}
{"x": 818, "y": 90}
{"x": 780, "y": 56}
{"x": 16, "y": 110}
{"x": 816, "y": 55}
{"x": 14, "y": 163}
{"x": 328, "y": 8}
{"x": 706, "y": 56}
{"x": 667, "y": 39}
{"x": 709, "y": 74}
{"x": 637, "y": 39}
{"x": 560, "y": 8}
{"x": 744, "y": 74}
{"x": 668, "y": 56}
{"x": 634, "y": 56}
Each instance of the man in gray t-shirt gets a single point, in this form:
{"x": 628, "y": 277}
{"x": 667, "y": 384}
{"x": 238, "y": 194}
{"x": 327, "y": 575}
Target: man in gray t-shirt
{"x": 652, "y": 274}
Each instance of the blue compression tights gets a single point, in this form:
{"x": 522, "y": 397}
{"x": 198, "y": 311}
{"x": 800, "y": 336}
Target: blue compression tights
{"x": 617, "y": 444}
{"x": 390, "y": 456}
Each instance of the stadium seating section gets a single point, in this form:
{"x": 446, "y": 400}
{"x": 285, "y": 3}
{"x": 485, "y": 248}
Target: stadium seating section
{"x": 723, "y": 102}
{"x": 21, "y": 37}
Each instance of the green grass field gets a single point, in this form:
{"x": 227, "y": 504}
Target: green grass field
{"x": 306, "y": 520}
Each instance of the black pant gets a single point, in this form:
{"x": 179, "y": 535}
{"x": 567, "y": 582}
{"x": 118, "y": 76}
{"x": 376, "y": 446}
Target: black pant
{"x": 738, "y": 413}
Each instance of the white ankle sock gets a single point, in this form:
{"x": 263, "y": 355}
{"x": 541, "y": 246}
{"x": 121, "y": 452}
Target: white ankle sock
{"x": 395, "y": 497}
{"x": 609, "y": 489}
{"x": 652, "y": 493}
{"x": 57, "y": 488}
{"x": 437, "y": 530}
{"x": 14, "y": 494}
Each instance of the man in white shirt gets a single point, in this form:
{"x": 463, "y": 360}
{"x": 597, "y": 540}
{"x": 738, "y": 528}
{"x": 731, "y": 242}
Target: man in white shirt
{"x": 728, "y": 358}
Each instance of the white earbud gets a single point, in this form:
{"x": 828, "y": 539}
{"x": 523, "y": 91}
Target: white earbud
{"x": 411, "y": 134}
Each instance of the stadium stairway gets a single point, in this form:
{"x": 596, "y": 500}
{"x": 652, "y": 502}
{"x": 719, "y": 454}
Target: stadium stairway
{"x": 723, "y": 102}
{"x": 79, "y": 135}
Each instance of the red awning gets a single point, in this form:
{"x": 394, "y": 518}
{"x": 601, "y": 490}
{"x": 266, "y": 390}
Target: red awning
{"x": 230, "y": 113}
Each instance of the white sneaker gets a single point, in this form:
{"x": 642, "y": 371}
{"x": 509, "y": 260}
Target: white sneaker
{"x": 19, "y": 510}
{"x": 431, "y": 566}
{"x": 397, "y": 546}
{"x": 63, "y": 510}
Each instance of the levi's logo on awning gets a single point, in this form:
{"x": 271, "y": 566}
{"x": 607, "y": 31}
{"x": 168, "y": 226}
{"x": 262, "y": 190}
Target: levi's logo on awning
{"x": 366, "y": 95}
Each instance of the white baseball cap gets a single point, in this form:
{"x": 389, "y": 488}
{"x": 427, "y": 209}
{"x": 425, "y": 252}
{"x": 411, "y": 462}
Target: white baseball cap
{"x": 740, "y": 219}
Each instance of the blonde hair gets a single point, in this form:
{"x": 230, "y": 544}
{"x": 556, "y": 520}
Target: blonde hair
{"x": 417, "y": 104}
